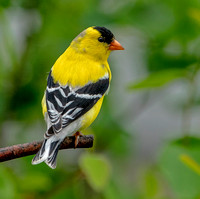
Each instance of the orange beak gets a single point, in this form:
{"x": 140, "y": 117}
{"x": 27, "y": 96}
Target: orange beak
{"x": 115, "y": 45}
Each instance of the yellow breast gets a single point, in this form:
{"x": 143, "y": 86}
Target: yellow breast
{"x": 77, "y": 69}
{"x": 91, "y": 115}
{"x": 44, "y": 106}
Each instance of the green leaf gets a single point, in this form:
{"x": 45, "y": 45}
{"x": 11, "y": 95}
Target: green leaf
{"x": 158, "y": 79}
{"x": 151, "y": 184}
{"x": 114, "y": 191}
{"x": 192, "y": 164}
{"x": 96, "y": 169}
{"x": 179, "y": 163}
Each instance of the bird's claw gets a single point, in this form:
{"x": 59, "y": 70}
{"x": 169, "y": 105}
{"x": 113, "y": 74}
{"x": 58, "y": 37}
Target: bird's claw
{"x": 77, "y": 135}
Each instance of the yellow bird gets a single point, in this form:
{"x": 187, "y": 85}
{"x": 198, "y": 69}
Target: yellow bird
{"x": 75, "y": 90}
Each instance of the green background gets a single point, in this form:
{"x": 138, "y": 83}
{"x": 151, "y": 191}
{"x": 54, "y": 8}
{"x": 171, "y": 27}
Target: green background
{"x": 147, "y": 135}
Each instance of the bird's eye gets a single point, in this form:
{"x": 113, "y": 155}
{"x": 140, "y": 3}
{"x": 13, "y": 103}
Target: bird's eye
{"x": 101, "y": 39}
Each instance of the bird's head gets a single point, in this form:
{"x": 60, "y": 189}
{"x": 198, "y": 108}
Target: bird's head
{"x": 96, "y": 42}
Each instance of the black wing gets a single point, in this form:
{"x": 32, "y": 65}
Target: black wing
{"x": 64, "y": 104}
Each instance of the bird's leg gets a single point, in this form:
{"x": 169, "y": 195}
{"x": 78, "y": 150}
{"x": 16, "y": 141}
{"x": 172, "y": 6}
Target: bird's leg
{"x": 77, "y": 135}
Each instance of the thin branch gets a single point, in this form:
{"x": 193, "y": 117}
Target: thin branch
{"x": 22, "y": 150}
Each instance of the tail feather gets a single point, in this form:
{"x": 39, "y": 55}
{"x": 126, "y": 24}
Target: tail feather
{"x": 41, "y": 155}
{"x": 48, "y": 152}
{"x": 53, "y": 152}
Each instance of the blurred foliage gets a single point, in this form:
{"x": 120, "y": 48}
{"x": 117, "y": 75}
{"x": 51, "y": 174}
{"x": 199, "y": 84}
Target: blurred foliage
{"x": 33, "y": 34}
{"x": 159, "y": 78}
{"x": 96, "y": 169}
{"x": 180, "y": 163}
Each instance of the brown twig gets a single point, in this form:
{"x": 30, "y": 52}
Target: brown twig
{"x": 22, "y": 150}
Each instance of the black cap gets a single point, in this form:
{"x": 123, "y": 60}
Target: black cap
{"x": 105, "y": 33}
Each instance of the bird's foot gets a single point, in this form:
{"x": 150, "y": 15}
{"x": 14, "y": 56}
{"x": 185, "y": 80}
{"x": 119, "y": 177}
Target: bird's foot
{"x": 77, "y": 135}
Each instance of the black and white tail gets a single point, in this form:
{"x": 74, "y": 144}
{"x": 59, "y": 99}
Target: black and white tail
{"x": 48, "y": 152}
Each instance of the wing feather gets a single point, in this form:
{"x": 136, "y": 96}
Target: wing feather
{"x": 65, "y": 104}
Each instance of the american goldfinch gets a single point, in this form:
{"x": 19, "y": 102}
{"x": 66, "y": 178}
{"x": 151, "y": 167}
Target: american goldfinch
{"x": 76, "y": 86}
